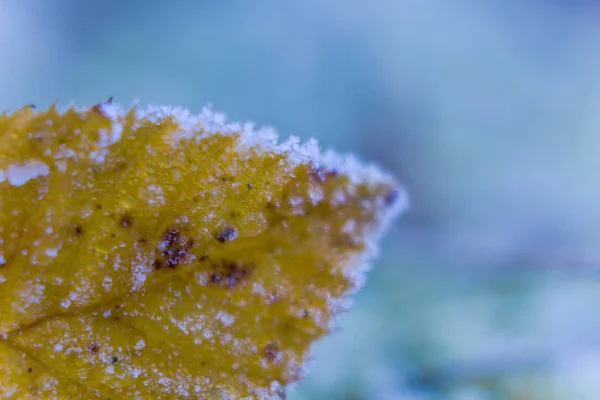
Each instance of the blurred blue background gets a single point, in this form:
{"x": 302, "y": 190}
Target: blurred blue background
{"x": 489, "y": 111}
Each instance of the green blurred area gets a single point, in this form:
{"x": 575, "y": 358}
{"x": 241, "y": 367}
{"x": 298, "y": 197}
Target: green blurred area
{"x": 487, "y": 110}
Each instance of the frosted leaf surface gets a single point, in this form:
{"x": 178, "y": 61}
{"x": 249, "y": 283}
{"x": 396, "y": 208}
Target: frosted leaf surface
{"x": 154, "y": 253}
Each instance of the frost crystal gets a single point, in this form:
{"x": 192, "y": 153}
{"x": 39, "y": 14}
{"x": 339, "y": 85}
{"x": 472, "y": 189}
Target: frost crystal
{"x": 19, "y": 174}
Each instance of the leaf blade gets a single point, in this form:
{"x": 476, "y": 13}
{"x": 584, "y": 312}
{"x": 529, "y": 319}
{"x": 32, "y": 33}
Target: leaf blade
{"x": 234, "y": 254}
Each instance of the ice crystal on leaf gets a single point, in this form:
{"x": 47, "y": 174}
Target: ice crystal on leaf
{"x": 159, "y": 254}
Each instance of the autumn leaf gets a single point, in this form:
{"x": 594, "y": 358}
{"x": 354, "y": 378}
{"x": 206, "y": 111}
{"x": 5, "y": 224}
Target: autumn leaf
{"x": 159, "y": 254}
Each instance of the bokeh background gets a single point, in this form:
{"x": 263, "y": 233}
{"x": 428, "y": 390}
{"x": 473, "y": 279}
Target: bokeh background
{"x": 488, "y": 110}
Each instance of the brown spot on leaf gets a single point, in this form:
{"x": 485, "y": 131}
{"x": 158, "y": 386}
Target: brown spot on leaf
{"x": 157, "y": 264}
{"x": 126, "y": 220}
{"x": 30, "y": 370}
{"x": 216, "y": 277}
{"x": 231, "y": 273}
{"x": 98, "y": 107}
{"x": 175, "y": 256}
{"x": 173, "y": 249}
{"x": 321, "y": 174}
{"x": 169, "y": 238}
{"x": 273, "y": 298}
{"x": 347, "y": 241}
{"x": 94, "y": 348}
{"x": 271, "y": 352}
{"x": 78, "y": 230}
{"x": 121, "y": 165}
{"x": 227, "y": 234}
{"x": 114, "y": 360}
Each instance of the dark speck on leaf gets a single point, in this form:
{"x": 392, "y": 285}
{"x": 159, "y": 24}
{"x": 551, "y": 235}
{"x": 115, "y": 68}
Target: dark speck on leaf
{"x": 99, "y": 206}
{"x": 30, "y": 370}
{"x": 126, "y": 220}
{"x": 157, "y": 264}
{"x": 121, "y": 165}
{"x": 271, "y": 352}
{"x": 273, "y": 298}
{"x": 169, "y": 238}
{"x": 217, "y": 277}
{"x": 173, "y": 249}
{"x": 94, "y": 348}
{"x": 227, "y": 234}
{"x": 78, "y": 230}
{"x": 321, "y": 174}
{"x": 114, "y": 359}
{"x": 175, "y": 256}
{"x": 231, "y": 273}
{"x": 99, "y": 107}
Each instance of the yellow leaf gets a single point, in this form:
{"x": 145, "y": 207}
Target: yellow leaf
{"x": 159, "y": 254}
